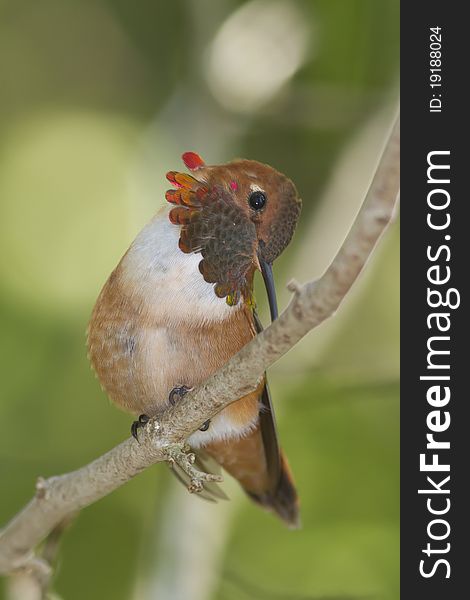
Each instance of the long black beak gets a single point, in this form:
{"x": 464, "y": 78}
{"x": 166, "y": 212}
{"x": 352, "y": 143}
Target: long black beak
{"x": 267, "y": 272}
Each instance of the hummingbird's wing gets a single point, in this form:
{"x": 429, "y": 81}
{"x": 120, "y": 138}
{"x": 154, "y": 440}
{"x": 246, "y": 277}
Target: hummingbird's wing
{"x": 281, "y": 496}
{"x": 211, "y": 491}
{"x": 268, "y": 426}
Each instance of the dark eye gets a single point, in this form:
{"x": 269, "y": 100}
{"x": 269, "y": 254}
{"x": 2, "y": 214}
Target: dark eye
{"x": 257, "y": 200}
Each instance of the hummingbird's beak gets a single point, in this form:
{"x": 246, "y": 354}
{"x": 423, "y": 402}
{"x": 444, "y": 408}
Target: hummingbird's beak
{"x": 267, "y": 272}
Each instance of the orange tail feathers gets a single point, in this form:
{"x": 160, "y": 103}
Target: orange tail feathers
{"x": 282, "y": 499}
{"x": 245, "y": 460}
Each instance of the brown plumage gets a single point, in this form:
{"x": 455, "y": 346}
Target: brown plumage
{"x": 180, "y": 304}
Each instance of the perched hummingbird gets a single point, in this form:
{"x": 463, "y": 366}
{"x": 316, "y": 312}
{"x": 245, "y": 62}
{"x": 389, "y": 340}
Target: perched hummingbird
{"x": 180, "y": 304}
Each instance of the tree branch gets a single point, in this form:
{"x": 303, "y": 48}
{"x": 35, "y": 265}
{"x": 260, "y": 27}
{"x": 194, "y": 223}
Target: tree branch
{"x": 164, "y": 438}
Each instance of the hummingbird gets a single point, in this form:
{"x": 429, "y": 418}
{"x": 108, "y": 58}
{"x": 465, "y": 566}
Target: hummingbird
{"x": 180, "y": 304}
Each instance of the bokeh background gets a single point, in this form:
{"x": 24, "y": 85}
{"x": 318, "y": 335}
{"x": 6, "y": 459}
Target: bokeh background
{"x": 98, "y": 99}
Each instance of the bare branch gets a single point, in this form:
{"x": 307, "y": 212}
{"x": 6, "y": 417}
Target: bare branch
{"x": 164, "y": 439}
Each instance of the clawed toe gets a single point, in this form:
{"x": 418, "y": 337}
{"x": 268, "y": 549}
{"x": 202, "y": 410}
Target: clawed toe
{"x": 136, "y": 425}
{"x": 205, "y": 425}
{"x": 177, "y": 393}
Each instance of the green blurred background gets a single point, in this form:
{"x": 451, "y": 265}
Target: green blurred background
{"x": 98, "y": 99}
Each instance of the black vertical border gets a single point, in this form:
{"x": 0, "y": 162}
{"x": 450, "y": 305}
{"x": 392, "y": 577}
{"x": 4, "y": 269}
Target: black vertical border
{"x": 422, "y": 132}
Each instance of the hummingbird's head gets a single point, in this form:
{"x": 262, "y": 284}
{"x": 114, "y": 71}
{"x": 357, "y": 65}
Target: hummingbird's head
{"x": 240, "y": 216}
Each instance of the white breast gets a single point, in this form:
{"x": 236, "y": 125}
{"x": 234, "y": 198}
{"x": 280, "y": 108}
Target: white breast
{"x": 169, "y": 279}
{"x": 167, "y": 284}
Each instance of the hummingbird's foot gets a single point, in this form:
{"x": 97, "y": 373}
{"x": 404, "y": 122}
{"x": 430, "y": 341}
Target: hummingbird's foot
{"x": 178, "y": 455}
{"x": 136, "y": 425}
{"x": 177, "y": 393}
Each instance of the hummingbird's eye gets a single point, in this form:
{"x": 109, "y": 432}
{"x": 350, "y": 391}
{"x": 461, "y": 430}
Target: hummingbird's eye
{"x": 257, "y": 200}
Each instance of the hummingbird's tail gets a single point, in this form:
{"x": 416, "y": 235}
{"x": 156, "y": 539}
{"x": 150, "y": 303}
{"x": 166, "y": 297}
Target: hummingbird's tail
{"x": 282, "y": 498}
{"x": 262, "y": 471}
{"x": 260, "y": 466}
